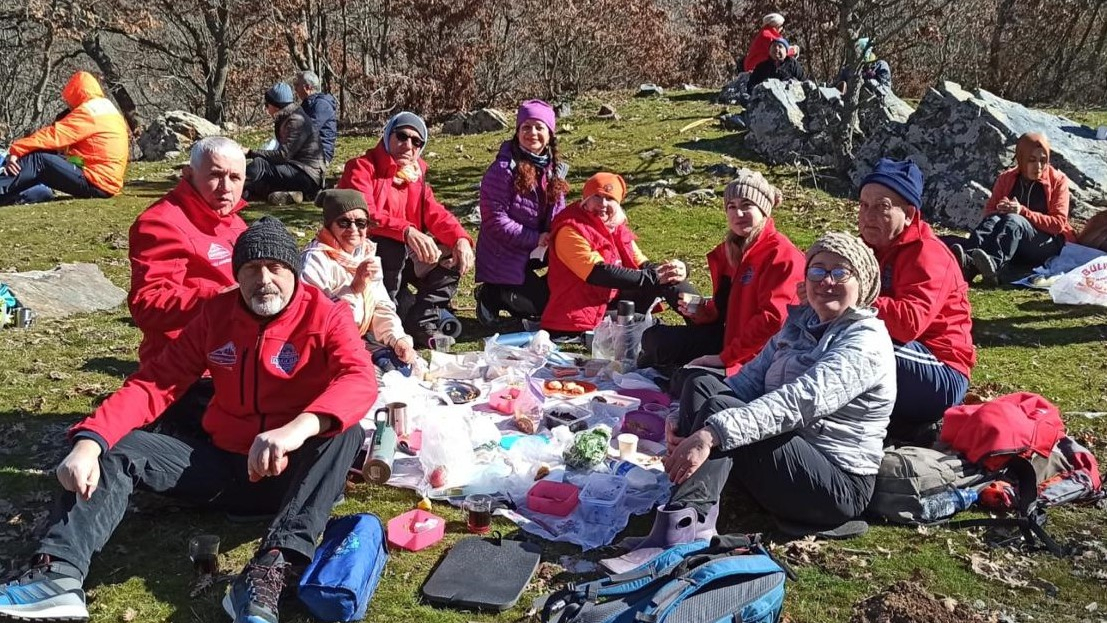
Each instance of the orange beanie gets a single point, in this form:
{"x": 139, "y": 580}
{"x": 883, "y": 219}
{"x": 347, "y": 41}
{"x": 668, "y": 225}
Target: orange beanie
{"x": 609, "y": 185}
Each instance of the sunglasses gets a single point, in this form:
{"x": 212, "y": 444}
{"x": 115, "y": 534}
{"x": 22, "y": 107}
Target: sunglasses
{"x": 346, "y": 223}
{"x": 403, "y": 137}
{"x": 838, "y": 274}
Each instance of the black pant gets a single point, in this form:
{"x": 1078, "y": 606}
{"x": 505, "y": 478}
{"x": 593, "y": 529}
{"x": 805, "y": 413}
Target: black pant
{"x": 785, "y": 474}
{"x": 643, "y": 297}
{"x": 419, "y": 311}
{"x": 264, "y": 177}
{"x": 526, "y": 300}
{"x": 1010, "y": 237}
{"x": 194, "y": 470}
{"x": 43, "y": 167}
{"x": 670, "y": 346}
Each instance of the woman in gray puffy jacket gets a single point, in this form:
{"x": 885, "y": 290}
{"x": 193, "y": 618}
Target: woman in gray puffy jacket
{"x": 801, "y": 425}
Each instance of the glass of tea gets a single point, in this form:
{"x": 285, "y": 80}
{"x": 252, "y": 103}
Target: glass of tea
{"x": 203, "y": 550}
{"x": 479, "y": 509}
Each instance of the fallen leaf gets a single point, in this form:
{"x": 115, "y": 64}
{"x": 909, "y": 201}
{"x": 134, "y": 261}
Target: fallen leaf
{"x": 130, "y": 614}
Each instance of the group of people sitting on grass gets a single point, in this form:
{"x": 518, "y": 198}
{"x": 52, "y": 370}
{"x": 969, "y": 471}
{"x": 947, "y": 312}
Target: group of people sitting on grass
{"x": 255, "y": 365}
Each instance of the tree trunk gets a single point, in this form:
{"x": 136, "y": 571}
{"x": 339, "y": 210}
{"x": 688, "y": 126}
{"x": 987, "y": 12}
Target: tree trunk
{"x": 1004, "y": 13}
{"x": 848, "y": 29}
{"x": 112, "y": 80}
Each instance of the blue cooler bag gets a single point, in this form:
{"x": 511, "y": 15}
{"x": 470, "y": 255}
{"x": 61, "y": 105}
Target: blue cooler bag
{"x": 348, "y": 564}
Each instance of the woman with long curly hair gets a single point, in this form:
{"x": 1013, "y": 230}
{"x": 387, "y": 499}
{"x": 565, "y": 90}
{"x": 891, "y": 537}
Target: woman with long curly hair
{"x": 520, "y": 194}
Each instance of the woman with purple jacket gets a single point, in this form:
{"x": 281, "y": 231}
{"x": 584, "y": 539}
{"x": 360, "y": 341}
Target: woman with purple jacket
{"x": 519, "y": 196}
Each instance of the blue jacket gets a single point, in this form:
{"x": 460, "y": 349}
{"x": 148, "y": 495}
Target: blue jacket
{"x": 321, "y": 109}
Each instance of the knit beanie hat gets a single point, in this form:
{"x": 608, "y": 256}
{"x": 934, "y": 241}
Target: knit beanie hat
{"x": 266, "y": 239}
{"x": 536, "y": 109}
{"x": 336, "y": 202}
{"x": 901, "y": 176}
{"x": 405, "y": 120}
{"x": 609, "y": 185}
{"x": 753, "y": 186}
{"x": 782, "y": 41}
{"x": 776, "y": 20}
{"x": 279, "y": 95}
{"x": 860, "y": 258}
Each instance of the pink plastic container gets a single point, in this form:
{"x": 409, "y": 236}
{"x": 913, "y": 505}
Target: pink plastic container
{"x": 553, "y": 498}
{"x": 415, "y": 530}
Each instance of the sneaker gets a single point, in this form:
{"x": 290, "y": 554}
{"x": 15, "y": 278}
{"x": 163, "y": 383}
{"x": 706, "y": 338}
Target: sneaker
{"x": 43, "y": 594}
{"x": 285, "y": 198}
{"x": 253, "y": 596}
{"x": 968, "y": 270}
{"x": 987, "y": 267}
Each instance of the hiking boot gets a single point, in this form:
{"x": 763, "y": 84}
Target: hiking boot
{"x": 253, "y": 596}
{"x": 488, "y": 312}
{"x": 44, "y": 593}
{"x": 968, "y": 270}
{"x": 987, "y": 267}
{"x": 285, "y": 198}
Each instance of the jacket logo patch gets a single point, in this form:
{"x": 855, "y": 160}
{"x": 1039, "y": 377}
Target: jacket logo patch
{"x": 286, "y": 360}
{"x": 218, "y": 254}
{"x": 225, "y": 355}
{"x": 747, "y": 276}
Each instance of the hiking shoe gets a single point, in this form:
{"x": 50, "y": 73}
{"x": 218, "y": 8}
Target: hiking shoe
{"x": 968, "y": 270}
{"x": 253, "y": 596}
{"x": 43, "y": 594}
{"x": 285, "y": 198}
{"x": 487, "y": 314}
{"x": 987, "y": 267}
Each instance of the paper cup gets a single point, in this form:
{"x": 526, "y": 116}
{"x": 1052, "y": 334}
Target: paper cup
{"x": 628, "y": 445}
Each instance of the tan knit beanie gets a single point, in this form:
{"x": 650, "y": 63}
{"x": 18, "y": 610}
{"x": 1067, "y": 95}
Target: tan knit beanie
{"x": 860, "y": 258}
{"x": 753, "y": 186}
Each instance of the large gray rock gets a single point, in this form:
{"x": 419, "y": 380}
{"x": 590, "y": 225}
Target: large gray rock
{"x": 798, "y": 121}
{"x": 475, "y": 122}
{"x": 68, "y": 289}
{"x": 176, "y": 130}
{"x": 962, "y": 140}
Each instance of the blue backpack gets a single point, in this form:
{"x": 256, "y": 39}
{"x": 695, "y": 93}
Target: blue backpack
{"x": 732, "y": 578}
{"x": 346, "y": 569}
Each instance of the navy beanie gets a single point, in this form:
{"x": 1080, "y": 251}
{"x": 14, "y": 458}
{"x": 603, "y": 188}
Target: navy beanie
{"x": 279, "y": 95}
{"x": 404, "y": 120}
{"x": 901, "y": 176}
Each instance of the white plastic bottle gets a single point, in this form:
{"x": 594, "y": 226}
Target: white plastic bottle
{"x": 637, "y": 477}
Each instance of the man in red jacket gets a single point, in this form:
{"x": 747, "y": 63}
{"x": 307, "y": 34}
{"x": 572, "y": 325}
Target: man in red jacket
{"x": 292, "y": 379}
{"x": 420, "y": 243}
{"x": 923, "y": 301}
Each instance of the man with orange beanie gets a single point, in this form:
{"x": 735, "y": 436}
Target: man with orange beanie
{"x": 595, "y": 261}
{"x": 83, "y": 154}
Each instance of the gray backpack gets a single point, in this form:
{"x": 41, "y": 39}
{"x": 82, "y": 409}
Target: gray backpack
{"x": 909, "y": 474}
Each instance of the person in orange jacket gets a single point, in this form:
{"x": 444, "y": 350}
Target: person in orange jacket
{"x": 83, "y": 154}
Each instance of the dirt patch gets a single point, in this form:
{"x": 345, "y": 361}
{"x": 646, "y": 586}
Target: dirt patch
{"x": 908, "y": 602}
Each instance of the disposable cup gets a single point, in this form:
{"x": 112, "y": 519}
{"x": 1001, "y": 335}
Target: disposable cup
{"x": 628, "y": 445}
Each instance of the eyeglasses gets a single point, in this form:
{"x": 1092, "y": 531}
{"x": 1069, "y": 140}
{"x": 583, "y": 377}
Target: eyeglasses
{"x": 403, "y": 137}
{"x": 838, "y": 274}
{"x": 346, "y": 223}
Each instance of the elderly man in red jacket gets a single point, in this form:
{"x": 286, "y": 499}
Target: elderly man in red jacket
{"x": 292, "y": 379}
{"x": 420, "y": 243}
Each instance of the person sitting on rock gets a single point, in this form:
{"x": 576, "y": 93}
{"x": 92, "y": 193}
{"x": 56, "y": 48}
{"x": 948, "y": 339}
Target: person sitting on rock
{"x": 595, "y": 261}
{"x": 800, "y": 426}
{"x": 295, "y": 169}
{"x": 779, "y": 66}
{"x": 1026, "y": 219}
{"x": 83, "y": 154}
{"x": 420, "y": 243}
{"x": 772, "y": 28}
{"x": 291, "y": 383}
{"x": 321, "y": 109}
{"x": 520, "y": 195}
{"x": 874, "y": 71}
{"x": 754, "y": 273}
{"x": 342, "y": 262}
{"x": 923, "y": 300}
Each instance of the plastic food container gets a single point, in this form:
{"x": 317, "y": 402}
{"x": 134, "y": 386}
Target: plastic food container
{"x": 646, "y": 425}
{"x": 601, "y": 496}
{"x": 415, "y": 530}
{"x": 610, "y": 405}
{"x": 553, "y": 498}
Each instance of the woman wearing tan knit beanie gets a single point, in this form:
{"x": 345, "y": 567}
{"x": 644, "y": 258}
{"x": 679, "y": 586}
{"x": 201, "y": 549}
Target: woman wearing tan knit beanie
{"x": 754, "y": 273}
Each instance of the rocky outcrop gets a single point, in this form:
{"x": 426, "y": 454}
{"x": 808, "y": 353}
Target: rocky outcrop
{"x": 68, "y": 289}
{"x": 963, "y": 139}
{"x": 175, "y": 131}
{"x": 475, "y": 122}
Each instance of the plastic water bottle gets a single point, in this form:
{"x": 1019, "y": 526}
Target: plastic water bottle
{"x": 947, "y": 503}
{"x": 637, "y": 477}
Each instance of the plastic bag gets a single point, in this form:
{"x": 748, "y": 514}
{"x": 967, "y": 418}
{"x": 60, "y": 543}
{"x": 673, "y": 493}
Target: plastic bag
{"x": 1086, "y": 285}
{"x": 511, "y": 361}
{"x": 447, "y": 453}
{"x": 621, "y": 343}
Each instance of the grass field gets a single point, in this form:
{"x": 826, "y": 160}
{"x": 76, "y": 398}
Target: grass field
{"x": 54, "y": 373}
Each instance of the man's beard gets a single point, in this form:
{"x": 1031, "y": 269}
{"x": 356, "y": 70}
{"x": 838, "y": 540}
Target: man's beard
{"x": 267, "y": 302}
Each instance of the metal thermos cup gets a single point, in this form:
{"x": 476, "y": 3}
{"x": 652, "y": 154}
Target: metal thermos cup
{"x": 397, "y": 418}
{"x": 23, "y": 316}
{"x": 378, "y": 465}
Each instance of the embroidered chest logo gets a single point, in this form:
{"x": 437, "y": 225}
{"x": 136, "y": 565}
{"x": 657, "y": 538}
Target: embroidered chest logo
{"x": 746, "y": 277}
{"x": 225, "y": 355}
{"x": 218, "y": 254}
{"x": 286, "y": 360}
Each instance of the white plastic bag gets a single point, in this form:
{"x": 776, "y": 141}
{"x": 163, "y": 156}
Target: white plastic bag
{"x": 1086, "y": 285}
{"x": 621, "y": 343}
{"x": 447, "y": 452}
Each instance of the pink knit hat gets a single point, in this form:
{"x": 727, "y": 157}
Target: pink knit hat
{"x": 536, "y": 109}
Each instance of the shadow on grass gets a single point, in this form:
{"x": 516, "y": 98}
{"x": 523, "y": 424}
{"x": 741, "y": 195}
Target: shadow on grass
{"x": 702, "y": 95}
{"x": 113, "y": 366}
{"x": 1013, "y": 331}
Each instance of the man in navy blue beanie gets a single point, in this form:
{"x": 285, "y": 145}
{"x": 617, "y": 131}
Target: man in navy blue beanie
{"x": 923, "y": 301}
{"x": 295, "y": 169}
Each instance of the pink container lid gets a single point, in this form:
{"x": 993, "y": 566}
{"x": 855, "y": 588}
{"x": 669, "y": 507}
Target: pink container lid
{"x": 553, "y": 498}
{"x": 415, "y": 530}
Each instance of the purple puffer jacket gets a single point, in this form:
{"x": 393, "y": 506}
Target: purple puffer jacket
{"x": 510, "y": 223}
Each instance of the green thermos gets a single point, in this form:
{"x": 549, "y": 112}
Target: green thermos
{"x": 378, "y": 465}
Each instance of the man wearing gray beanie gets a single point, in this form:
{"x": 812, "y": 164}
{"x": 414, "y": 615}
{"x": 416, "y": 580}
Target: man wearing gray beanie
{"x": 291, "y": 379}
{"x": 295, "y": 169}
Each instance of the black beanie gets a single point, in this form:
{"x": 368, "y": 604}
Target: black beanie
{"x": 266, "y": 239}
{"x": 336, "y": 202}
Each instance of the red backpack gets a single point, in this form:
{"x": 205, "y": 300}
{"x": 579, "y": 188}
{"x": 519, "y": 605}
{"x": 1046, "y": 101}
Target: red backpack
{"x": 991, "y": 434}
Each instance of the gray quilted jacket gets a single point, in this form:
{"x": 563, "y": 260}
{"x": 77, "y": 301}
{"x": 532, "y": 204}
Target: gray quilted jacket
{"x": 835, "y": 384}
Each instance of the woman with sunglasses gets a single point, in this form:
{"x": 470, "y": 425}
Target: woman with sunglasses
{"x": 342, "y": 262}
{"x": 754, "y": 273}
{"x": 520, "y": 194}
{"x": 801, "y": 426}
